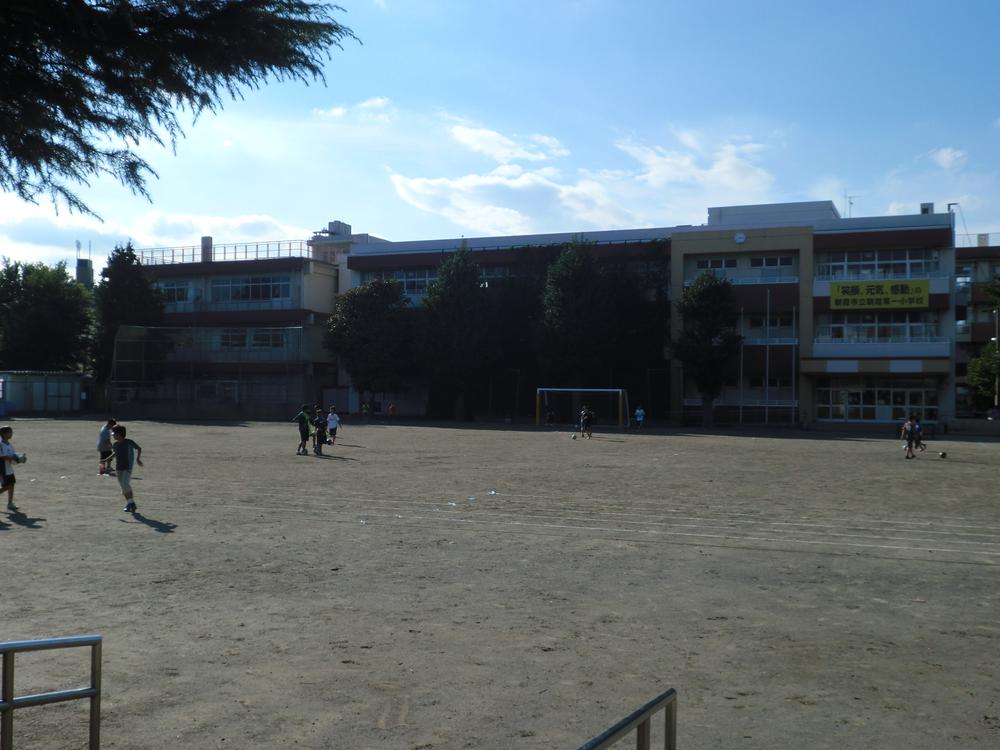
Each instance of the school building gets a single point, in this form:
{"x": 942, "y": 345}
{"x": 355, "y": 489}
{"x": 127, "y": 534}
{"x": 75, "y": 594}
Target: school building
{"x": 846, "y": 320}
{"x": 242, "y": 335}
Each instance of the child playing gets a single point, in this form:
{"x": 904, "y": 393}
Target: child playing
{"x": 127, "y": 454}
{"x": 305, "y": 428}
{"x": 8, "y": 457}
{"x": 332, "y": 423}
{"x": 319, "y": 440}
{"x": 104, "y": 450}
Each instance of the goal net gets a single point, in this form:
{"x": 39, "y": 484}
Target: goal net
{"x": 563, "y": 405}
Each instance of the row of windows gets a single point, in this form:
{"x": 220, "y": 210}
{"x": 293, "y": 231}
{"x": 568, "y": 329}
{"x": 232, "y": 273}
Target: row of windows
{"x": 260, "y": 338}
{"x": 780, "y": 320}
{"x": 853, "y": 264}
{"x": 706, "y": 264}
{"x": 248, "y": 288}
{"x": 416, "y": 281}
{"x": 878, "y": 327}
{"x": 251, "y": 288}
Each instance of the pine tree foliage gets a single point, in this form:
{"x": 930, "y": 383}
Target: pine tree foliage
{"x": 82, "y": 82}
{"x": 125, "y": 296}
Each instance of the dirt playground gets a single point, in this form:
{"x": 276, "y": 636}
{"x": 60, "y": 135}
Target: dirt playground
{"x": 438, "y": 588}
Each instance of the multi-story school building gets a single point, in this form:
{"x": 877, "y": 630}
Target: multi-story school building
{"x": 977, "y": 317}
{"x": 242, "y": 333}
{"x": 845, "y": 320}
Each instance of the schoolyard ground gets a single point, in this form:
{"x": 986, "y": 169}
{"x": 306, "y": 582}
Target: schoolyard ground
{"x": 433, "y": 587}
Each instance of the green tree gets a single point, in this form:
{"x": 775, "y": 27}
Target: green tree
{"x": 983, "y": 374}
{"x": 708, "y": 339}
{"x": 455, "y": 337}
{"x": 45, "y": 318}
{"x": 124, "y": 296}
{"x": 370, "y": 334}
{"x": 85, "y": 81}
{"x": 579, "y": 325}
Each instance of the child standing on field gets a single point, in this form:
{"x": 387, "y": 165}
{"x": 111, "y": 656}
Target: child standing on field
{"x": 9, "y": 457}
{"x": 319, "y": 439}
{"x": 305, "y": 428}
{"x": 127, "y": 454}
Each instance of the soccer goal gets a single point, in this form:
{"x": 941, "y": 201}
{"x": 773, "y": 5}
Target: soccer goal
{"x": 562, "y": 405}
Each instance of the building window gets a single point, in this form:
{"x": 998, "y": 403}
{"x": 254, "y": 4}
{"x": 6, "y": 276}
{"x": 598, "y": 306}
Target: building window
{"x": 413, "y": 281}
{"x": 268, "y": 338}
{"x": 771, "y": 261}
{"x": 880, "y": 398}
{"x": 251, "y": 289}
{"x": 877, "y": 264}
{"x": 175, "y": 291}
{"x": 233, "y": 338}
{"x": 714, "y": 264}
{"x": 877, "y": 327}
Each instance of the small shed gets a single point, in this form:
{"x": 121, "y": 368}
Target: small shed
{"x": 35, "y": 391}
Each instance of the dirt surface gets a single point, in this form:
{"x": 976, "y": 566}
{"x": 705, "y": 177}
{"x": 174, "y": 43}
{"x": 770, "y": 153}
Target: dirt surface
{"x": 431, "y": 587}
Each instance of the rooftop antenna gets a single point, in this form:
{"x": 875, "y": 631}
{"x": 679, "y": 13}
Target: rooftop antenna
{"x": 849, "y": 203}
{"x": 961, "y": 215}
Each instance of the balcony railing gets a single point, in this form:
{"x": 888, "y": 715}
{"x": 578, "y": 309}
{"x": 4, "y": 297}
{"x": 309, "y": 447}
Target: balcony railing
{"x": 876, "y": 275}
{"x": 740, "y": 279}
{"x": 881, "y": 340}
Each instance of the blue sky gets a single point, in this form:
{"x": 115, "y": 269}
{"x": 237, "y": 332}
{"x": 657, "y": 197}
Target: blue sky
{"x": 478, "y": 117}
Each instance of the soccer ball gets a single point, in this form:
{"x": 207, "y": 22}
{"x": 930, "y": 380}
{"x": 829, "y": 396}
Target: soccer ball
{"x": 942, "y": 454}
{"x": 574, "y": 436}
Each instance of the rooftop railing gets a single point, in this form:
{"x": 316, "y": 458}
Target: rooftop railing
{"x": 157, "y": 256}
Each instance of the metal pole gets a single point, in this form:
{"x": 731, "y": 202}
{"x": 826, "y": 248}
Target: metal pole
{"x": 741, "y": 366}
{"x": 767, "y": 358}
{"x": 95, "y": 700}
{"x": 7, "y": 697}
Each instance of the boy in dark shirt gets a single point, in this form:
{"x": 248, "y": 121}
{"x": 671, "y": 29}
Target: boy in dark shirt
{"x": 305, "y": 427}
{"x": 127, "y": 454}
{"x": 319, "y": 422}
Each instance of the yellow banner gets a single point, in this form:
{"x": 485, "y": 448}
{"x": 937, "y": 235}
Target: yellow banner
{"x": 875, "y": 295}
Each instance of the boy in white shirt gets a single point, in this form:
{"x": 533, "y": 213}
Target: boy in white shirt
{"x": 8, "y": 457}
{"x": 332, "y": 423}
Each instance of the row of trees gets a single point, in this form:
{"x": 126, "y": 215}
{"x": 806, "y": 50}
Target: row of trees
{"x": 48, "y": 321}
{"x": 570, "y": 321}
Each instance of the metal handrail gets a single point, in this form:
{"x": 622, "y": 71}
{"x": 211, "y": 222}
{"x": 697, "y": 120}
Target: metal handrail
{"x": 9, "y": 703}
{"x": 642, "y": 721}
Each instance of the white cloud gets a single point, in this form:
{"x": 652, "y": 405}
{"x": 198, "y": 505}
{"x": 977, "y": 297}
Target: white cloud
{"x": 502, "y": 149}
{"x": 377, "y": 109}
{"x": 947, "y": 158}
{"x": 333, "y": 113}
{"x": 731, "y": 170}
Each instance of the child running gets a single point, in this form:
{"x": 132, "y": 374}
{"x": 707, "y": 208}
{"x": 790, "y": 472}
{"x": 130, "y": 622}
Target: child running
{"x": 127, "y": 454}
{"x": 332, "y": 423}
{"x": 104, "y": 450}
{"x": 9, "y": 457}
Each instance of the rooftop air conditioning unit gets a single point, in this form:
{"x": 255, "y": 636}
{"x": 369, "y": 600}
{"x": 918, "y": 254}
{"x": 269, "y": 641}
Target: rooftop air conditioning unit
{"x": 983, "y": 240}
{"x": 926, "y": 208}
